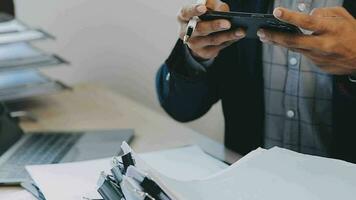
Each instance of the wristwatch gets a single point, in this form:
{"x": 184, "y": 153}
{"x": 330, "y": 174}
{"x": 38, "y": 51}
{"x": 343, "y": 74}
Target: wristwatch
{"x": 352, "y": 78}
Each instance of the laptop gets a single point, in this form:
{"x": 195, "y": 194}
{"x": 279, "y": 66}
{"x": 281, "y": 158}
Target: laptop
{"x": 18, "y": 149}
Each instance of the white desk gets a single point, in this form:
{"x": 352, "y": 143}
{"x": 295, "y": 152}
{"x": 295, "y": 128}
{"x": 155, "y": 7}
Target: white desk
{"x": 94, "y": 107}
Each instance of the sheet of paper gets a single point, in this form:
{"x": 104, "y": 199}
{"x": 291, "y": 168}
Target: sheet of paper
{"x": 276, "y": 174}
{"x": 18, "y": 195}
{"x": 69, "y": 181}
{"x": 184, "y": 164}
{"x": 73, "y": 181}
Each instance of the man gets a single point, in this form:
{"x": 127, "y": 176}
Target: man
{"x": 292, "y": 91}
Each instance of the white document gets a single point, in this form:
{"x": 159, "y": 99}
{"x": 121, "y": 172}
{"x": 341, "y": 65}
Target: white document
{"x": 276, "y": 174}
{"x": 19, "y": 195}
{"x": 184, "y": 164}
{"x": 69, "y": 181}
{"x": 73, "y": 181}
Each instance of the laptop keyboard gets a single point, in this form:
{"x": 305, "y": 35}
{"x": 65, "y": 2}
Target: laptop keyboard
{"x": 38, "y": 149}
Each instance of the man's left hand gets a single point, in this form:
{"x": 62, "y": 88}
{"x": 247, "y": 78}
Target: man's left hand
{"x": 332, "y": 44}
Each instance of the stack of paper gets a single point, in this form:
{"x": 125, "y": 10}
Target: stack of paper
{"x": 19, "y": 195}
{"x": 189, "y": 174}
{"x": 276, "y": 174}
{"x": 73, "y": 181}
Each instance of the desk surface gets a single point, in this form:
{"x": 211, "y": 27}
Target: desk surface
{"x": 94, "y": 107}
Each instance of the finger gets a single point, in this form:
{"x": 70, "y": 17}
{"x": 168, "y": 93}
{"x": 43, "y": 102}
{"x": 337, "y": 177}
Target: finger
{"x": 331, "y": 12}
{"x": 316, "y": 57}
{"x": 210, "y": 52}
{"x": 324, "y": 62}
{"x": 301, "y": 20}
{"x": 218, "y": 6}
{"x": 323, "y": 12}
{"x": 189, "y": 11}
{"x": 335, "y": 70}
{"x": 327, "y": 62}
{"x": 222, "y": 46}
{"x": 207, "y": 27}
{"x": 216, "y": 39}
{"x": 292, "y": 41}
{"x": 343, "y": 12}
{"x": 301, "y": 51}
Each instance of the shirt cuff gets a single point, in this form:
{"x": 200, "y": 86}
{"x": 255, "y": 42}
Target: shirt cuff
{"x": 197, "y": 65}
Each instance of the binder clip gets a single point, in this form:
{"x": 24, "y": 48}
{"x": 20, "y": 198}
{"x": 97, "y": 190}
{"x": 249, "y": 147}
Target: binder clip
{"x": 148, "y": 185}
{"x": 117, "y": 170}
{"x": 127, "y": 161}
{"x": 33, "y": 189}
{"x": 109, "y": 189}
{"x": 132, "y": 190}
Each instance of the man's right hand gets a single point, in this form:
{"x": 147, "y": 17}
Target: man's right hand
{"x": 209, "y": 37}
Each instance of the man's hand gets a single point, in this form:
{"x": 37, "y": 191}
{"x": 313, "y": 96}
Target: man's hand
{"x": 332, "y": 44}
{"x": 209, "y": 37}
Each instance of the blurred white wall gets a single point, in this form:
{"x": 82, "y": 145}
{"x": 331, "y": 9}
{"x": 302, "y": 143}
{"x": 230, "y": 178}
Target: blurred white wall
{"x": 117, "y": 43}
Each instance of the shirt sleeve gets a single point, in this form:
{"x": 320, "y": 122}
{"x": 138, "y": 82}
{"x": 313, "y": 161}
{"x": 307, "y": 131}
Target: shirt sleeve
{"x": 185, "y": 93}
{"x": 200, "y": 66}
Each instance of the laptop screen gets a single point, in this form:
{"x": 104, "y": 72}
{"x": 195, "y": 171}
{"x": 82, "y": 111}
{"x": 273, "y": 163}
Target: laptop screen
{"x": 10, "y": 131}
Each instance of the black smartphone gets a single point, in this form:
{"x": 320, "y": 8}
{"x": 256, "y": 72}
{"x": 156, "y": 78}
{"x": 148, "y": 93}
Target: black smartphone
{"x": 252, "y": 22}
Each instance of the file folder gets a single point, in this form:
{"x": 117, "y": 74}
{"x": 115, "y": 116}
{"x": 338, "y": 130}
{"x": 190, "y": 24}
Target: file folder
{"x": 22, "y": 55}
{"x": 17, "y": 54}
{"x": 22, "y": 84}
{"x": 13, "y": 30}
{"x": 26, "y": 35}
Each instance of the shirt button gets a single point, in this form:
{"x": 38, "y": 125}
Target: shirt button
{"x": 302, "y": 7}
{"x": 293, "y": 61}
{"x": 168, "y": 76}
{"x": 290, "y": 114}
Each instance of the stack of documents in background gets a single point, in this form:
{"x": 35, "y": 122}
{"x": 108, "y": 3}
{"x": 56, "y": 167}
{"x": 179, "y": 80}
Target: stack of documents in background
{"x": 19, "y": 61}
{"x": 190, "y": 174}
